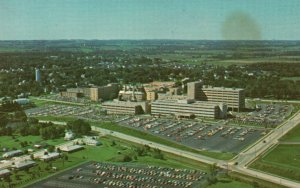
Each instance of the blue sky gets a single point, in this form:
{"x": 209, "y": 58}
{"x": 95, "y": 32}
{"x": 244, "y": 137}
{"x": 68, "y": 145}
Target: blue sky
{"x": 146, "y": 19}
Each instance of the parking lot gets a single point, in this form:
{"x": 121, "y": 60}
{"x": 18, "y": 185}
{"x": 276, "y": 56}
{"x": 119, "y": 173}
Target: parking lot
{"x": 266, "y": 114}
{"x": 195, "y": 134}
{"x": 66, "y": 99}
{"x": 94, "y": 174}
{"x": 83, "y": 112}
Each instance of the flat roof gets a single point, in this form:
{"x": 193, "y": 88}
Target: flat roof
{"x": 131, "y": 92}
{"x": 71, "y": 148}
{"x": 12, "y": 152}
{"x": 221, "y": 88}
{"x": 50, "y": 155}
{"x": 24, "y": 163}
{"x": 4, "y": 171}
{"x": 180, "y": 102}
{"x": 123, "y": 103}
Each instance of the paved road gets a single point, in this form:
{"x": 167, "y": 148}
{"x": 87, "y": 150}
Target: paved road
{"x": 269, "y": 100}
{"x": 243, "y": 158}
{"x": 290, "y": 142}
{"x": 159, "y": 146}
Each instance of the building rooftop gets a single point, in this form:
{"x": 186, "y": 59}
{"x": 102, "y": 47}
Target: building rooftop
{"x": 4, "y": 172}
{"x": 11, "y": 153}
{"x": 122, "y": 103}
{"x": 187, "y": 102}
{"x": 221, "y": 88}
{"x": 71, "y": 148}
{"x": 22, "y": 164}
{"x": 131, "y": 92}
{"x": 50, "y": 156}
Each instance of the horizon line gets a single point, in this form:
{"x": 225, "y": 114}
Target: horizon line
{"x": 148, "y": 39}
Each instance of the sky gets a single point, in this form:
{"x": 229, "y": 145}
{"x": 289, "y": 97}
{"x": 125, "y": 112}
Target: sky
{"x": 150, "y": 19}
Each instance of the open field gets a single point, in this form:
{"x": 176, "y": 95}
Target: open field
{"x": 293, "y": 135}
{"x": 42, "y": 102}
{"x": 296, "y": 78}
{"x": 230, "y": 184}
{"x": 251, "y": 180}
{"x": 210, "y": 57}
{"x": 283, "y": 161}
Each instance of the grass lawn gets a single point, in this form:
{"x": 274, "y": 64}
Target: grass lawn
{"x": 42, "y": 170}
{"x": 147, "y": 136}
{"x": 10, "y": 142}
{"x": 54, "y": 118}
{"x": 296, "y": 78}
{"x": 171, "y": 160}
{"x": 107, "y": 152}
{"x": 283, "y": 160}
{"x": 230, "y": 184}
{"x": 41, "y": 102}
{"x": 293, "y": 135}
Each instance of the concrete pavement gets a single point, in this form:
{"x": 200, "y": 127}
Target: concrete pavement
{"x": 165, "y": 148}
{"x": 270, "y": 100}
{"x": 243, "y": 159}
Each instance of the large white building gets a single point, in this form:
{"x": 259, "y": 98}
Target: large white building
{"x": 233, "y": 97}
{"x": 126, "y": 107}
{"x": 189, "y": 108}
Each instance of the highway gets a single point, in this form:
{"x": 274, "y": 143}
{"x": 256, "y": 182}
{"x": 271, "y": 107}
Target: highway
{"x": 242, "y": 160}
{"x": 162, "y": 147}
{"x": 271, "y": 100}
{"x": 245, "y": 158}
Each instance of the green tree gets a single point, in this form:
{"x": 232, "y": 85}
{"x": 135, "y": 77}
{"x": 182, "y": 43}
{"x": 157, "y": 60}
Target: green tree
{"x": 79, "y": 127}
{"x": 50, "y": 148}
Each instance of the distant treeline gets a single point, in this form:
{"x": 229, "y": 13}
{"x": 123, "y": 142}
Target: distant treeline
{"x": 61, "y": 70}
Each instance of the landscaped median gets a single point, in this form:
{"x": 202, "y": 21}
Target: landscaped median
{"x": 284, "y": 159}
{"x": 293, "y": 135}
{"x": 146, "y": 136}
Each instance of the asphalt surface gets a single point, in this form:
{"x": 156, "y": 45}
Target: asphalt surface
{"x": 195, "y": 134}
{"x": 243, "y": 159}
{"x": 111, "y": 175}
